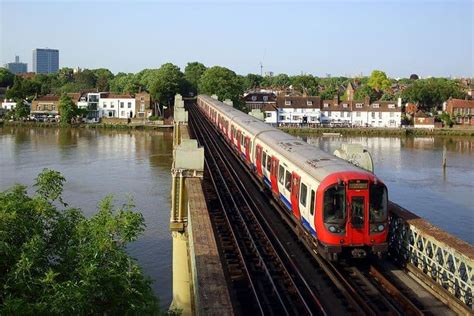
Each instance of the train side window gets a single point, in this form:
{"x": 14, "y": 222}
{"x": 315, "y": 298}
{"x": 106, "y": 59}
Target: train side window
{"x": 303, "y": 194}
{"x": 313, "y": 202}
{"x": 269, "y": 162}
{"x": 264, "y": 159}
{"x": 288, "y": 180}
{"x": 281, "y": 175}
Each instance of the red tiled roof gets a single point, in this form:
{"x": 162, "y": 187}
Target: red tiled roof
{"x": 460, "y": 103}
{"x": 48, "y": 97}
{"x": 116, "y": 96}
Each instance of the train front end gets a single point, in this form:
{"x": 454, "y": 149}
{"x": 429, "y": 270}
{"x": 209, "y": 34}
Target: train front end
{"x": 353, "y": 217}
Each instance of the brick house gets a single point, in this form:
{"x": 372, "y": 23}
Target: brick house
{"x": 461, "y": 110}
{"x": 143, "y": 105}
{"x": 423, "y": 121}
{"x": 48, "y": 105}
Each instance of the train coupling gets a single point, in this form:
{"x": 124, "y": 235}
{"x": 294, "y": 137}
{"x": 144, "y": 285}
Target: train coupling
{"x": 358, "y": 253}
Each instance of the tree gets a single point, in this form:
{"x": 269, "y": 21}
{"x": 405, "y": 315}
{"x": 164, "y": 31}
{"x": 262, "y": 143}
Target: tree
{"x": 431, "y": 93}
{"x": 193, "y": 73}
{"x": 305, "y": 84}
{"x": 54, "y": 260}
{"x": 6, "y": 77}
{"x": 22, "y": 109}
{"x": 379, "y": 81}
{"x": 222, "y": 82}
{"x": 365, "y": 91}
{"x": 66, "y": 110}
{"x": 103, "y": 76}
{"x": 251, "y": 81}
{"x": 168, "y": 82}
{"x": 23, "y": 89}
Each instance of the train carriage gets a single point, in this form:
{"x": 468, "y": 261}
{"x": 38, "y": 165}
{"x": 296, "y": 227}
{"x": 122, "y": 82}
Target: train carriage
{"x": 341, "y": 206}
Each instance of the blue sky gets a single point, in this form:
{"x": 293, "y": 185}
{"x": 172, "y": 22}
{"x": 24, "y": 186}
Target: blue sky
{"x": 430, "y": 38}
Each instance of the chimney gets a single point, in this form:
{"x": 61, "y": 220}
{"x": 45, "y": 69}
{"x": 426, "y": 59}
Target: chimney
{"x": 399, "y": 102}
{"x": 336, "y": 99}
{"x": 367, "y": 100}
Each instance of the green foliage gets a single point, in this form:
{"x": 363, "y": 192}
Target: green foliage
{"x": 22, "y": 110}
{"x": 446, "y": 119}
{"x": 431, "y": 93}
{"x": 155, "y": 118}
{"x": 365, "y": 91}
{"x": 222, "y": 82}
{"x": 67, "y": 110}
{"x": 192, "y": 74}
{"x": 379, "y": 81}
{"x": 306, "y": 84}
{"x": 280, "y": 81}
{"x": 6, "y": 77}
{"x": 168, "y": 81}
{"x": 252, "y": 81}
{"x": 23, "y": 89}
{"x": 59, "y": 262}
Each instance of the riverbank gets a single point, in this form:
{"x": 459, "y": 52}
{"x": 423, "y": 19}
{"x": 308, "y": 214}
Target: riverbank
{"x": 380, "y": 131}
{"x": 132, "y": 126}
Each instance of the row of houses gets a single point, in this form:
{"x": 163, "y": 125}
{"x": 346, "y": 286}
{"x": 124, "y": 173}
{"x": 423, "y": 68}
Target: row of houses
{"x": 285, "y": 110}
{"x": 97, "y": 104}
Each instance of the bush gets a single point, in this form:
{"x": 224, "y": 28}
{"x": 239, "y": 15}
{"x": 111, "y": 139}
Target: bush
{"x": 54, "y": 260}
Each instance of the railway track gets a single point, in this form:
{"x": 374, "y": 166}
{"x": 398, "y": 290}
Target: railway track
{"x": 276, "y": 279}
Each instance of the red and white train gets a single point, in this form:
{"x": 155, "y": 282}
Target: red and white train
{"x": 342, "y": 207}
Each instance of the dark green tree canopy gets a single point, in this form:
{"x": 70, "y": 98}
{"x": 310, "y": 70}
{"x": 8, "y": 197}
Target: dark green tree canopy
{"x": 6, "y": 77}
{"x": 193, "y": 73}
{"x": 223, "y": 82}
{"x": 55, "y": 261}
{"x": 252, "y": 81}
{"x": 67, "y": 110}
{"x": 166, "y": 83}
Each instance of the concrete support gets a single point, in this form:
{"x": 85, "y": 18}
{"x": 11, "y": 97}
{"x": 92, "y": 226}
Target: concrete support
{"x": 182, "y": 300}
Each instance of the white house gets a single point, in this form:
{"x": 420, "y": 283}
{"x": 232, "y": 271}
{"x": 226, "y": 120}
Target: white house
{"x": 116, "y": 105}
{"x": 298, "y": 110}
{"x": 8, "y": 104}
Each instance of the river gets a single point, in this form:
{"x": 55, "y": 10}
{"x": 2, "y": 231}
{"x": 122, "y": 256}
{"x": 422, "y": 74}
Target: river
{"x": 100, "y": 162}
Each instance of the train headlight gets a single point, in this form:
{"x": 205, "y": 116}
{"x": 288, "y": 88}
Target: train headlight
{"x": 332, "y": 229}
{"x": 380, "y": 227}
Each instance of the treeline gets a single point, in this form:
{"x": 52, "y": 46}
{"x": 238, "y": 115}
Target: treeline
{"x": 163, "y": 83}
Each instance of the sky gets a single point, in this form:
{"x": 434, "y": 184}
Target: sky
{"x": 340, "y": 38}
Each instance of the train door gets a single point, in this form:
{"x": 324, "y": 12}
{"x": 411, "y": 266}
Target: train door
{"x": 357, "y": 201}
{"x": 258, "y": 161}
{"x": 247, "y": 149}
{"x": 295, "y": 194}
{"x": 274, "y": 175}
{"x": 239, "y": 136}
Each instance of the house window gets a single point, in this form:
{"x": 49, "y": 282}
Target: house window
{"x": 142, "y": 107}
{"x": 380, "y": 115}
{"x": 373, "y": 115}
{"x": 129, "y": 105}
{"x": 375, "y": 105}
{"x": 112, "y": 105}
{"x": 282, "y": 117}
{"x": 309, "y": 102}
{"x": 348, "y": 114}
{"x": 287, "y": 102}
{"x": 254, "y": 98}
{"x": 329, "y": 113}
{"x": 358, "y": 114}
{"x": 326, "y": 105}
{"x": 265, "y": 98}
{"x": 268, "y": 114}
{"x": 122, "y": 113}
{"x": 142, "y": 99}
{"x": 121, "y": 105}
{"x": 105, "y": 104}
{"x": 53, "y": 107}
{"x": 391, "y": 106}
{"x": 296, "y": 117}
{"x": 344, "y": 105}
{"x": 359, "y": 105}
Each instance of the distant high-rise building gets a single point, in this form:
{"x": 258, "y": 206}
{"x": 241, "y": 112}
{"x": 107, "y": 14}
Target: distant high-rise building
{"x": 17, "y": 67}
{"x": 45, "y": 60}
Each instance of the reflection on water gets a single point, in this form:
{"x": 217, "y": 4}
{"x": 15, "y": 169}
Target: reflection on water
{"x": 412, "y": 169}
{"x": 99, "y": 162}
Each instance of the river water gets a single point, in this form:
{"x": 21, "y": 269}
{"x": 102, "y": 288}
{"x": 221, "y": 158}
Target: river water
{"x": 100, "y": 162}
{"x": 411, "y": 167}
{"x": 96, "y": 163}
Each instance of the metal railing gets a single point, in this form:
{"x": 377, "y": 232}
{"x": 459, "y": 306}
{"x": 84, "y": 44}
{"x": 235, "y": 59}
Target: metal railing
{"x": 442, "y": 258}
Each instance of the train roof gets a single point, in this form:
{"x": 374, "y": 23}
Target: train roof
{"x": 309, "y": 158}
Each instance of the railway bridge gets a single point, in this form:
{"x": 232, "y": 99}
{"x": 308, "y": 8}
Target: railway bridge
{"x": 235, "y": 251}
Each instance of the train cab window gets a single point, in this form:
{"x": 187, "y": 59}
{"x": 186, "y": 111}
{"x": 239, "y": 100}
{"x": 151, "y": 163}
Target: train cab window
{"x": 303, "y": 194}
{"x": 281, "y": 175}
{"x": 269, "y": 162}
{"x": 288, "y": 180}
{"x": 335, "y": 204}
{"x": 313, "y": 202}
{"x": 378, "y": 203}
